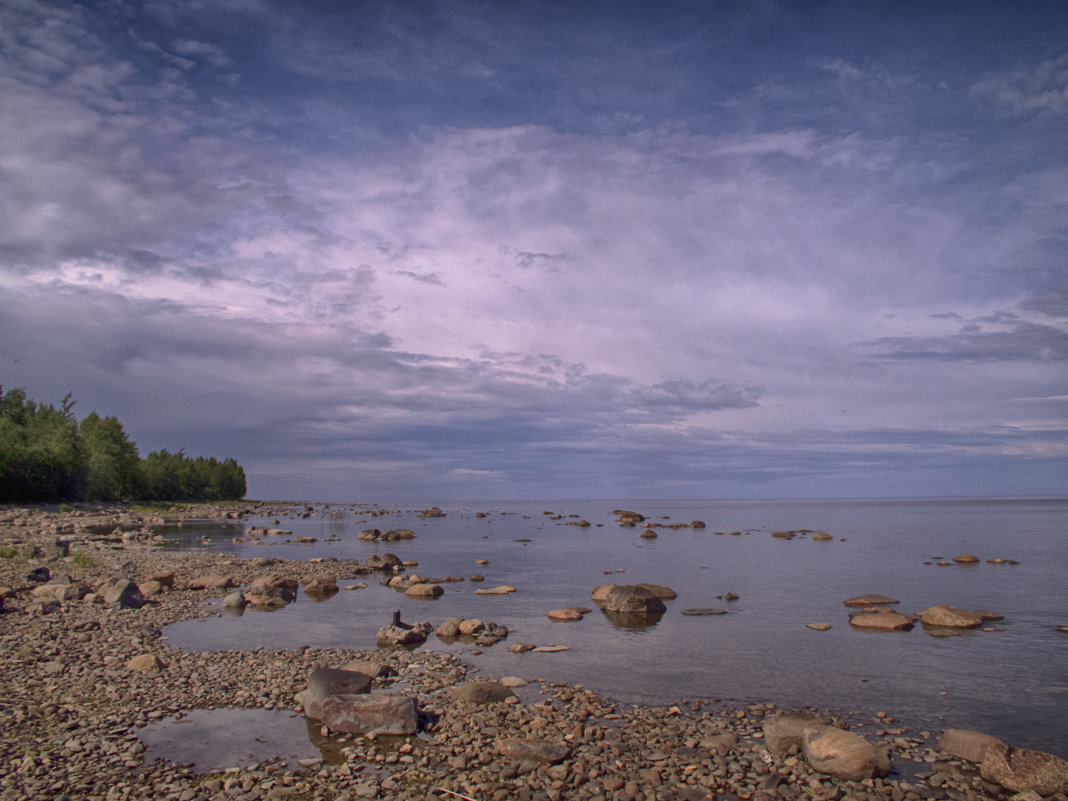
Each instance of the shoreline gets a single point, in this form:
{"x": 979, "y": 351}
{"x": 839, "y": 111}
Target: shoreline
{"x": 71, "y": 706}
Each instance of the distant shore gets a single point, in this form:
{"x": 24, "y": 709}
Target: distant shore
{"x": 82, "y": 678}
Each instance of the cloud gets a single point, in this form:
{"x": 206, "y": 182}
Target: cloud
{"x": 1043, "y": 87}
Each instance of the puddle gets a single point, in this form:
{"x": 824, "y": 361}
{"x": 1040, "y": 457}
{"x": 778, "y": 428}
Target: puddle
{"x": 216, "y": 739}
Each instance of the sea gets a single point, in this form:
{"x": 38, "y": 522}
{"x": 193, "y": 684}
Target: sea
{"x": 1008, "y": 678}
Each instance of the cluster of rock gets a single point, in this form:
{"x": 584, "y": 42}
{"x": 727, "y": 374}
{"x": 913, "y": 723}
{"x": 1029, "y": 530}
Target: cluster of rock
{"x": 817, "y": 536}
{"x": 1018, "y": 770}
{"x": 874, "y": 614}
{"x": 473, "y": 629}
{"x": 376, "y": 535}
{"x": 972, "y": 559}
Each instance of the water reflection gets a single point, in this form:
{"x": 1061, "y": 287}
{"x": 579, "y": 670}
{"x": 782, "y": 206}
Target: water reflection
{"x": 632, "y": 621}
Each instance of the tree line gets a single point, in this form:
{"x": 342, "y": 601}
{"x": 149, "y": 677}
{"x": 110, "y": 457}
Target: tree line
{"x": 47, "y": 455}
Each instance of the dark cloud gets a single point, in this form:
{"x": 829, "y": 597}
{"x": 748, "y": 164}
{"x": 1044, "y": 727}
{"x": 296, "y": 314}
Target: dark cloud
{"x": 1021, "y": 342}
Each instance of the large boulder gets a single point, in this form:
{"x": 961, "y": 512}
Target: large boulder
{"x": 370, "y": 715}
{"x": 425, "y": 591}
{"x": 325, "y": 682}
{"x": 967, "y": 744}
{"x": 481, "y": 692}
{"x": 631, "y": 599}
{"x": 272, "y": 591}
{"x": 321, "y": 587}
{"x": 782, "y": 733}
{"x": 951, "y": 617}
{"x": 1020, "y": 769}
{"x": 658, "y": 590}
{"x": 843, "y": 754}
{"x": 121, "y": 593}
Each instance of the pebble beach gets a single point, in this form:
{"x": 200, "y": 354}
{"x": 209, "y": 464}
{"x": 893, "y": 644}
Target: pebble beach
{"x": 84, "y": 678}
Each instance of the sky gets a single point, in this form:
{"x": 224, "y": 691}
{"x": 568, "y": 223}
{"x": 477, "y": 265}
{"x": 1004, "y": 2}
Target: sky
{"x": 482, "y": 250}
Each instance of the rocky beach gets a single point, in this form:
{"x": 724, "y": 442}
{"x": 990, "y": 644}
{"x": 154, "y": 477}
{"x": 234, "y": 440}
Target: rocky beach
{"x": 87, "y": 591}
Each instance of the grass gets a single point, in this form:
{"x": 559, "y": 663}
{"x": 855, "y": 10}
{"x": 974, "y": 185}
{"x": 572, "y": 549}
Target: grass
{"x": 23, "y": 555}
{"x": 82, "y": 559}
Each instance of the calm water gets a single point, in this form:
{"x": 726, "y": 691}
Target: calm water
{"x": 1011, "y": 682}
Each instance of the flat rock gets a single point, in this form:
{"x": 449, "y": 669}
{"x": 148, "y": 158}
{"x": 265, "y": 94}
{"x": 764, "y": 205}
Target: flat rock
{"x": 324, "y": 682}
{"x": 819, "y": 626}
{"x": 370, "y": 715}
{"x": 966, "y": 559}
{"x": 550, "y": 649}
{"x": 541, "y": 751}
{"x": 951, "y": 617}
{"x": 502, "y": 589}
{"x": 565, "y": 615}
{"x": 871, "y": 599}
{"x": 704, "y": 611}
{"x": 883, "y": 621}
{"x": 425, "y": 590}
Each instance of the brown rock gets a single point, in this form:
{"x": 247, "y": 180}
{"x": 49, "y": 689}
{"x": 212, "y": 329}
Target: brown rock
{"x": 783, "y": 732}
{"x": 481, "y": 692}
{"x": 951, "y": 617}
{"x": 145, "y": 663}
{"x": 371, "y": 715}
{"x": 883, "y": 621}
{"x": 871, "y": 599}
{"x": 843, "y": 754}
{"x": 967, "y": 744}
{"x": 565, "y": 615}
{"x": 543, "y": 751}
{"x": 966, "y": 559}
{"x": 1020, "y": 769}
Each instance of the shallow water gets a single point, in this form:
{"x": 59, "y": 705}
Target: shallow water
{"x": 1011, "y": 682}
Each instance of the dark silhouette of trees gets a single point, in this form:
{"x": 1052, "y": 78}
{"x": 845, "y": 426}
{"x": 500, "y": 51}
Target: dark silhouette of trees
{"x": 46, "y": 455}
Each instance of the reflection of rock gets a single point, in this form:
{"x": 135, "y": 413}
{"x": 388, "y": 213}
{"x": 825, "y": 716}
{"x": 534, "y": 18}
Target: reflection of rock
{"x": 321, "y": 588}
{"x": 632, "y": 620}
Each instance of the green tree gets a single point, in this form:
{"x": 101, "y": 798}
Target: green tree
{"x": 40, "y": 451}
{"x": 112, "y": 461}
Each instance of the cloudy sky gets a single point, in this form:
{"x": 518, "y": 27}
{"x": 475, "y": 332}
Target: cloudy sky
{"x": 472, "y": 249}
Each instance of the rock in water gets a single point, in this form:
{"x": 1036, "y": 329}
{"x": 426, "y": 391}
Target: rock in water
{"x": 631, "y": 598}
{"x": 1020, "y": 769}
{"x": 871, "y": 599}
{"x": 883, "y": 621}
{"x": 371, "y": 715}
{"x": 843, "y": 754}
{"x": 951, "y": 617}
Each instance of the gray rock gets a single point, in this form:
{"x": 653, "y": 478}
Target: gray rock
{"x": 324, "y": 683}
{"x": 967, "y": 744}
{"x": 631, "y": 598}
{"x": 404, "y": 634}
{"x": 782, "y": 733}
{"x": 121, "y": 593}
{"x": 843, "y": 754}
{"x": 542, "y": 751}
{"x": 481, "y": 692}
{"x": 235, "y": 600}
{"x": 371, "y": 715}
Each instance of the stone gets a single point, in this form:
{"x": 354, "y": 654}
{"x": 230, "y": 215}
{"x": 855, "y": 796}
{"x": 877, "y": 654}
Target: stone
{"x": 819, "y": 626}
{"x": 951, "y": 617}
{"x": 521, "y": 647}
{"x": 450, "y": 628}
{"x": 550, "y": 649}
{"x": 370, "y": 667}
{"x": 783, "y": 732}
{"x": 871, "y": 599}
{"x": 471, "y": 626}
{"x": 535, "y": 750}
{"x": 822, "y": 536}
{"x": 967, "y": 744}
{"x": 565, "y": 615}
{"x": 658, "y": 590}
{"x": 321, "y": 587}
{"x": 404, "y": 634}
{"x": 150, "y": 589}
{"x": 885, "y": 620}
{"x": 631, "y": 598}
{"x": 425, "y": 591}
{"x": 121, "y": 593}
{"x": 370, "y": 715}
{"x": 966, "y": 559}
{"x": 503, "y": 589}
{"x": 213, "y": 581}
{"x": 513, "y": 681}
{"x": 481, "y": 692}
{"x": 1021, "y": 769}
{"x": 325, "y": 682}
{"x": 145, "y": 663}
{"x": 166, "y": 578}
{"x": 385, "y": 562}
{"x": 234, "y": 600}
{"x": 704, "y": 611}
{"x": 843, "y": 754}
